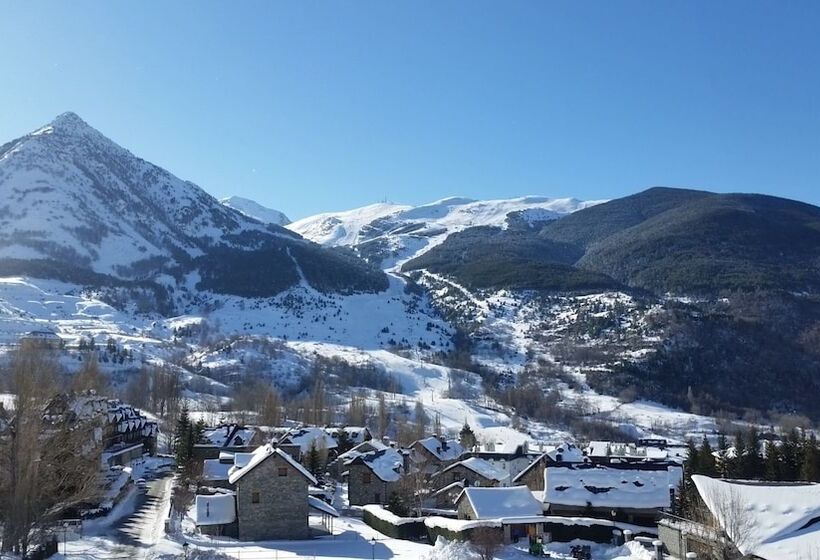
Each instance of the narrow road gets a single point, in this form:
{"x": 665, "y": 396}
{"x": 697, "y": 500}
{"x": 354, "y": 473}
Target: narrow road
{"x": 144, "y": 527}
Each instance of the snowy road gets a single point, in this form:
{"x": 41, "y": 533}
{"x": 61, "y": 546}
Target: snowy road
{"x": 145, "y": 527}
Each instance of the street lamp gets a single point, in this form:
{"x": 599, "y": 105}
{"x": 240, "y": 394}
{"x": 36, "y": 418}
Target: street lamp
{"x": 65, "y": 538}
{"x": 373, "y": 548}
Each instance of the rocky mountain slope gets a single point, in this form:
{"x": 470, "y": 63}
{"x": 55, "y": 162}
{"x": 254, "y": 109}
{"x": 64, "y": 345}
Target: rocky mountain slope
{"x": 76, "y": 206}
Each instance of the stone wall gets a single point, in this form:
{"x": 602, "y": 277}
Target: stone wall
{"x": 459, "y": 473}
{"x": 465, "y": 510}
{"x": 534, "y": 479}
{"x": 282, "y": 510}
{"x": 361, "y": 493}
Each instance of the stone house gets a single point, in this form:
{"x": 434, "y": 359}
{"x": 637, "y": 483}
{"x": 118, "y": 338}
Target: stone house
{"x": 230, "y": 438}
{"x": 372, "y": 478}
{"x": 271, "y": 496}
{"x": 532, "y": 476}
{"x": 514, "y": 508}
{"x": 470, "y": 472}
{"x": 433, "y": 453}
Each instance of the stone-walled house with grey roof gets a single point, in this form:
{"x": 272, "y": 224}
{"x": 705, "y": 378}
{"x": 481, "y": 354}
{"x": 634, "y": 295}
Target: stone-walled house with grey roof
{"x": 372, "y": 478}
{"x": 271, "y": 496}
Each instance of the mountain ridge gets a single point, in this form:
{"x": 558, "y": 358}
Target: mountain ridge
{"x": 77, "y": 200}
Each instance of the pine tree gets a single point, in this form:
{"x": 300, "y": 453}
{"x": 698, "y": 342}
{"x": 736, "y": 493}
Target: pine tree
{"x": 706, "y": 459}
{"x": 737, "y": 465}
{"x": 343, "y": 443}
{"x": 314, "y": 462}
{"x": 810, "y": 467}
{"x": 772, "y": 467}
{"x": 723, "y": 449}
{"x": 792, "y": 456}
{"x": 753, "y": 462}
{"x": 182, "y": 437}
{"x": 467, "y": 437}
{"x": 198, "y": 432}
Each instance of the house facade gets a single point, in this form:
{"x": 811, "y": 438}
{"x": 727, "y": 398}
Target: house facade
{"x": 271, "y": 496}
{"x": 372, "y": 478}
{"x": 470, "y": 472}
{"x": 434, "y": 453}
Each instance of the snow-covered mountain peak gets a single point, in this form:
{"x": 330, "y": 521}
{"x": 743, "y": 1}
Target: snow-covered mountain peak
{"x": 392, "y": 233}
{"x": 254, "y": 210}
{"x": 70, "y": 194}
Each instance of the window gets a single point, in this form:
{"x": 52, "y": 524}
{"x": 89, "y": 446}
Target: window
{"x": 378, "y": 498}
{"x": 283, "y": 471}
{"x": 255, "y": 497}
{"x": 366, "y": 478}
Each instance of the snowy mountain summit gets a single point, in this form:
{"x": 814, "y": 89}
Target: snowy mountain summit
{"x": 253, "y": 209}
{"x": 76, "y": 206}
{"x": 390, "y": 234}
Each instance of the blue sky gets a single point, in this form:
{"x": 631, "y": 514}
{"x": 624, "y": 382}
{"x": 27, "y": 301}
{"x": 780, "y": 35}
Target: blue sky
{"x": 311, "y": 107}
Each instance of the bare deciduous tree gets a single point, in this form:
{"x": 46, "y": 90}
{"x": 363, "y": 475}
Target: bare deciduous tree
{"x": 47, "y": 465}
{"x": 730, "y": 522}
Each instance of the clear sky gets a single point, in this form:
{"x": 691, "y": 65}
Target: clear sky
{"x": 310, "y": 107}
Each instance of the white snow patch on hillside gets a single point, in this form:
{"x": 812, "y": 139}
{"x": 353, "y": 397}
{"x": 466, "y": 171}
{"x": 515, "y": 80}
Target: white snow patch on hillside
{"x": 254, "y": 210}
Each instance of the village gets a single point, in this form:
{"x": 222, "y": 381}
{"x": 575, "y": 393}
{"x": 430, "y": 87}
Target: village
{"x": 125, "y": 489}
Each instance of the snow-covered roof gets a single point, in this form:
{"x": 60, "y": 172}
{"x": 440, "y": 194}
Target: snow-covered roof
{"x": 481, "y": 468}
{"x": 218, "y": 509}
{"x": 259, "y": 455}
{"x": 458, "y": 484}
{"x": 356, "y": 434}
{"x": 306, "y": 437}
{"x": 322, "y": 506}
{"x": 364, "y": 447}
{"x": 385, "y": 463}
{"x": 242, "y": 459}
{"x": 230, "y": 435}
{"x": 442, "y": 449}
{"x": 213, "y": 469}
{"x": 495, "y": 503}
{"x": 772, "y": 520}
{"x": 611, "y": 450}
{"x": 597, "y": 486}
{"x": 564, "y": 453}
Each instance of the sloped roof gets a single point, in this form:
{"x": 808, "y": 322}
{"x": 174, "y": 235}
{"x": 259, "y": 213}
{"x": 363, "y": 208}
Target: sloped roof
{"x": 219, "y": 509}
{"x": 322, "y": 506}
{"x": 259, "y": 455}
{"x": 579, "y": 485}
{"x": 566, "y": 453}
{"x": 213, "y": 469}
{"x": 783, "y": 519}
{"x": 306, "y": 437}
{"x": 446, "y": 450}
{"x": 365, "y": 447}
{"x": 497, "y": 503}
{"x": 385, "y": 463}
{"x": 480, "y": 467}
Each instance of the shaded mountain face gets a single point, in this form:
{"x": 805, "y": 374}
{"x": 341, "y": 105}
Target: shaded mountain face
{"x": 76, "y": 206}
{"x": 744, "y": 337}
{"x": 661, "y": 240}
